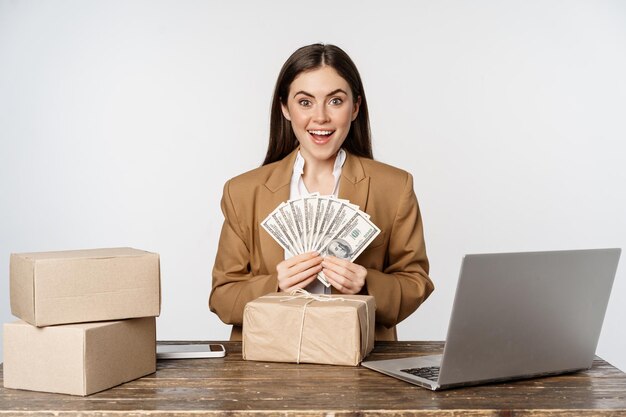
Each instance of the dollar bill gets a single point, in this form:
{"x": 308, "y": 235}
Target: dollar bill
{"x": 290, "y": 223}
{"x": 320, "y": 209}
{"x": 338, "y": 214}
{"x": 354, "y": 206}
{"x": 297, "y": 212}
{"x": 275, "y": 226}
{"x": 348, "y": 238}
{"x": 310, "y": 205}
{"x": 329, "y": 212}
{"x": 352, "y": 238}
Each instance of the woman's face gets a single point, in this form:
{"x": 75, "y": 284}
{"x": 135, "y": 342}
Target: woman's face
{"x": 320, "y": 108}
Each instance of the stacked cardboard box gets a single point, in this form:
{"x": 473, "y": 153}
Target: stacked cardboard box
{"x": 87, "y": 319}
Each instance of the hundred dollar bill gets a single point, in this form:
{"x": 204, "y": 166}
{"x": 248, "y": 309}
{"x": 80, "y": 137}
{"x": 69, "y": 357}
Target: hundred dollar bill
{"x": 352, "y": 239}
{"x": 344, "y": 212}
{"x": 329, "y": 212}
{"x": 297, "y": 211}
{"x": 353, "y": 206}
{"x": 288, "y": 218}
{"x": 339, "y": 214}
{"x": 310, "y": 205}
{"x": 275, "y": 226}
{"x": 320, "y": 209}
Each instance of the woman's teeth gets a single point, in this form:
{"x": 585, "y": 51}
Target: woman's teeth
{"x": 321, "y": 132}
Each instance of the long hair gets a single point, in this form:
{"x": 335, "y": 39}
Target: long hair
{"x": 282, "y": 139}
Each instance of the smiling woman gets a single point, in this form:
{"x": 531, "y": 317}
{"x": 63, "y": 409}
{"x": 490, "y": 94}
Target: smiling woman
{"x": 320, "y": 143}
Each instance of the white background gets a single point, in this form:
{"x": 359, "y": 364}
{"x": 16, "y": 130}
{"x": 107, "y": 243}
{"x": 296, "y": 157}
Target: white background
{"x": 121, "y": 120}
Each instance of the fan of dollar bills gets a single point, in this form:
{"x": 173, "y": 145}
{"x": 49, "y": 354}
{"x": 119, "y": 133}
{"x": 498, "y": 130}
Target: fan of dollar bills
{"x": 325, "y": 224}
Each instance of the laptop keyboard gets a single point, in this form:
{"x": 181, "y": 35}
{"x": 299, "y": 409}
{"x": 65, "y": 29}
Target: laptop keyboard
{"x": 427, "y": 372}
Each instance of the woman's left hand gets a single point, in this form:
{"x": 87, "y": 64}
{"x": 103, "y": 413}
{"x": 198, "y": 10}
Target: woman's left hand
{"x": 347, "y": 277}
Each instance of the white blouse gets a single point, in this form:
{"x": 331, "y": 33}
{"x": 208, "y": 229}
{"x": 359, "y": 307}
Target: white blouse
{"x": 298, "y": 189}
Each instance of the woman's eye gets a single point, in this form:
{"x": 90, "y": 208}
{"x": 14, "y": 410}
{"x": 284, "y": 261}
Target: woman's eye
{"x": 336, "y": 101}
{"x": 305, "y": 102}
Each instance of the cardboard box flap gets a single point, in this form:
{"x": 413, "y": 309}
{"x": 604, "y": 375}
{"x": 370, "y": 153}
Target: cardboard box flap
{"x": 85, "y": 254}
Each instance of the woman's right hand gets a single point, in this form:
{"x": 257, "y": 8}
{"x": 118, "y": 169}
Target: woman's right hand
{"x": 298, "y": 271}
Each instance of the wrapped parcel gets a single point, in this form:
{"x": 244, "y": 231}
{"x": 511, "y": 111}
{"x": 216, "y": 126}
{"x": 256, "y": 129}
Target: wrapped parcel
{"x": 309, "y": 328}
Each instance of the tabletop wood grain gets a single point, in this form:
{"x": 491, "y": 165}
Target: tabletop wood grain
{"x": 232, "y": 386}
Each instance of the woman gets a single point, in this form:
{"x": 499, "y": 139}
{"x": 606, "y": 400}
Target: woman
{"x": 320, "y": 142}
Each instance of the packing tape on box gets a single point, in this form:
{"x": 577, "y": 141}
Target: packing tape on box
{"x": 304, "y": 294}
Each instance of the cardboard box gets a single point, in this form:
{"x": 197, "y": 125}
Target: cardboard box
{"x": 51, "y": 288}
{"x": 78, "y": 359}
{"x": 337, "y": 330}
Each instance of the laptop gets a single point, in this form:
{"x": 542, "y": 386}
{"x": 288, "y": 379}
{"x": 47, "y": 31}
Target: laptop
{"x": 517, "y": 316}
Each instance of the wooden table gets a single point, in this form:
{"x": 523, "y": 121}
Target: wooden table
{"x": 236, "y": 387}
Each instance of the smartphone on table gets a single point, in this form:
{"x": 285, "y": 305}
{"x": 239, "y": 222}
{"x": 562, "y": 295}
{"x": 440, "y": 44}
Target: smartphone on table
{"x": 191, "y": 350}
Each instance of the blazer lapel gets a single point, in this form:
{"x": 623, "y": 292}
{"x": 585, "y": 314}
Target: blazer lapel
{"x": 354, "y": 184}
{"x": 271, "y": 194}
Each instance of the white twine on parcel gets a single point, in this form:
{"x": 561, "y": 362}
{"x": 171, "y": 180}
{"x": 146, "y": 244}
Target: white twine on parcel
{"x": 304, "y": 294}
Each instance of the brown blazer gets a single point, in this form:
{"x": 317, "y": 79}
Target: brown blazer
{"x": 245, "y": 265}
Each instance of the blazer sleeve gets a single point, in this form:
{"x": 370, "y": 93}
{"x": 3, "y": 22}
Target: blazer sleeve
{"x": 403, "y": 284}
{"x": 233, "y": 283}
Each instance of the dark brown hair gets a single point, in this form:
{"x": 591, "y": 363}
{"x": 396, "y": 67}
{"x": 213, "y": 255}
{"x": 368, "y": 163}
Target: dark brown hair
{"x": 282, "y": 139}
